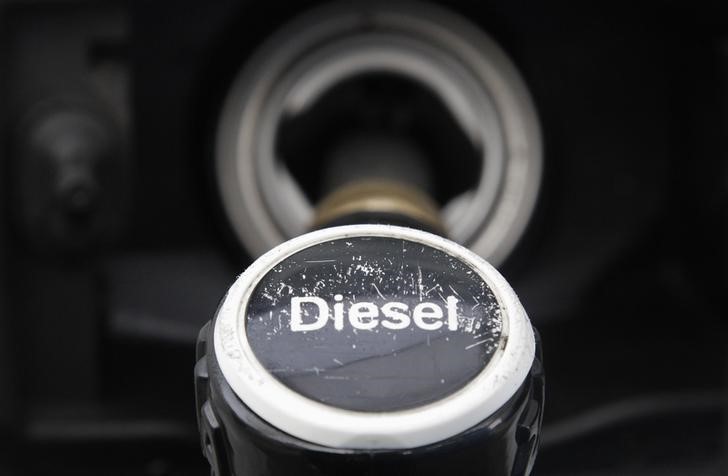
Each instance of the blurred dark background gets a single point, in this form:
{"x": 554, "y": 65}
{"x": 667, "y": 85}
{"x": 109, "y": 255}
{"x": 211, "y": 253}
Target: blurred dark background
{"x": 106, "y": 277}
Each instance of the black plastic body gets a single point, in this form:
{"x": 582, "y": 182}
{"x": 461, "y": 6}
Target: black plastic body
{"x": 237, "y": 442}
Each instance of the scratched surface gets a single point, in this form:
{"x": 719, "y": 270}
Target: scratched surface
{"x": 380, "y": 369}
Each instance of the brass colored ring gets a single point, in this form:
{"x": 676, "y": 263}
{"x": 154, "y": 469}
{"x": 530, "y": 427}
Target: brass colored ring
{"x": 378, "y": 196}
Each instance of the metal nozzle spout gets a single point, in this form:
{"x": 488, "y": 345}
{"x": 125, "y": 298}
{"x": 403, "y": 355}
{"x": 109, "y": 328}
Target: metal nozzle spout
{"x": 379, "y": 201}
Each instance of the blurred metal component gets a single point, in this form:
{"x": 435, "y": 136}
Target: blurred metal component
{"x": 376, "y": 157}
{"x": 425, "y": 44}
{"x": 379, "y": 197}
{"x": 71, "y": 179}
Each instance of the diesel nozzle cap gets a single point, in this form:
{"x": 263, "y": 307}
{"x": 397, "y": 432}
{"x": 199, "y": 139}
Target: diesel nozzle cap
{"x": 369, "y": 348}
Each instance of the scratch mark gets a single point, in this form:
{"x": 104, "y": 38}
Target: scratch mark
{"x": 378, "y": 291}
{"x": 453, "y": 290}
{"x": 420, "y": 286}
{"x": 476, "y": 344}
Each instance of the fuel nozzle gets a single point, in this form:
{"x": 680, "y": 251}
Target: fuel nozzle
{"x": 369, "y": 349}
